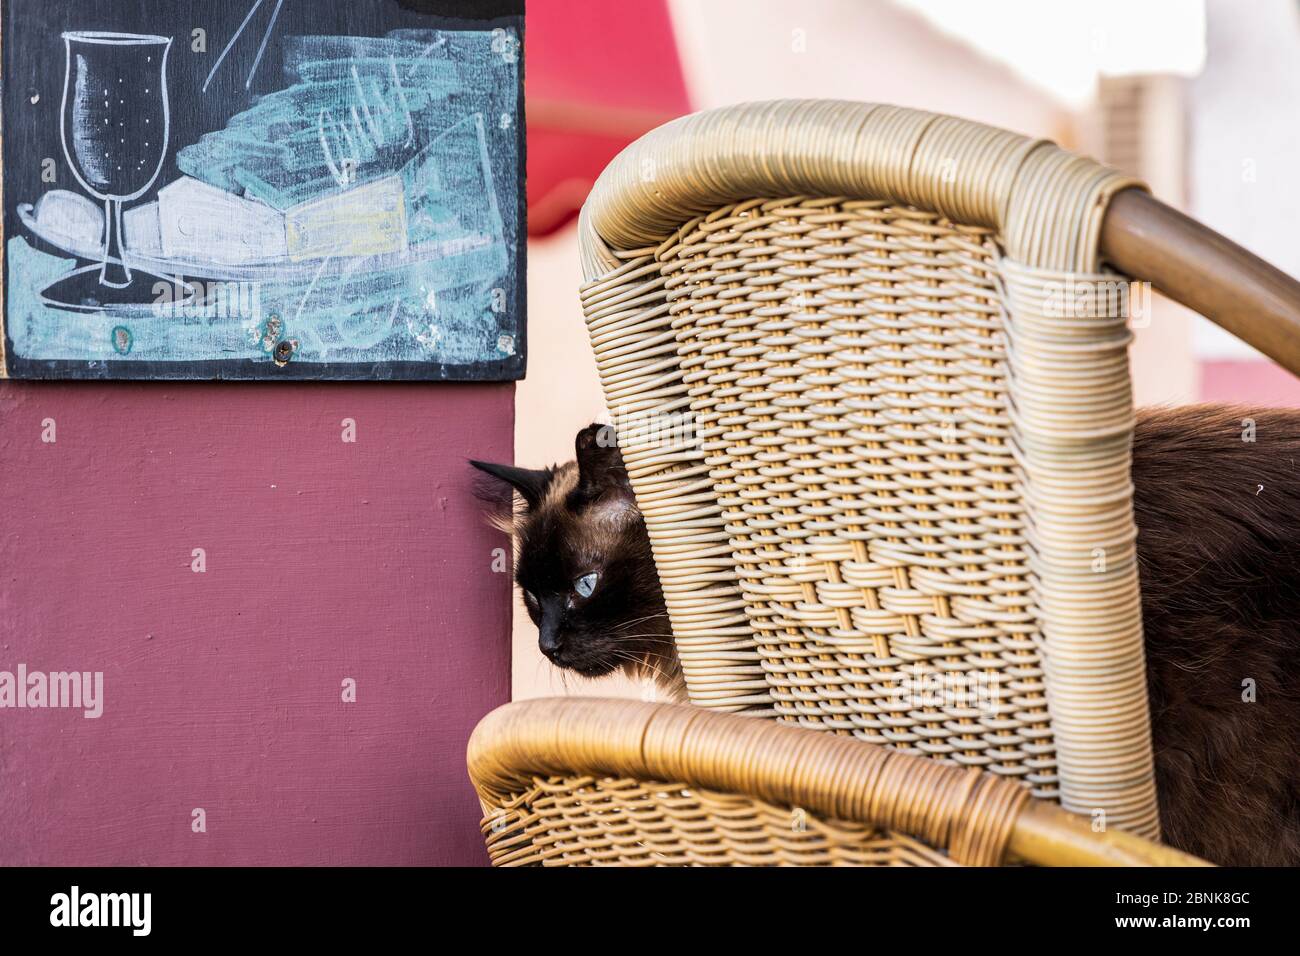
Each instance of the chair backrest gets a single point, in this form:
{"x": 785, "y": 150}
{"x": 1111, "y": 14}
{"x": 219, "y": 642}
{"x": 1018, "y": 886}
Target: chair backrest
{"x": 871, "y": 385}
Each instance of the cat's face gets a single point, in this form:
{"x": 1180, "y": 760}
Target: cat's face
{"x": 584, "y": 563}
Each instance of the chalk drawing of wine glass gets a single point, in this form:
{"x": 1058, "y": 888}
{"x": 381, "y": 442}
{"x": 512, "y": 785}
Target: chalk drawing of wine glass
{"x": 116, "y": 120}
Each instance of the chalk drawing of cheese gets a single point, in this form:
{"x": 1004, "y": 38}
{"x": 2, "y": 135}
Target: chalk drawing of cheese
{"x": 201, "y": 223}
{"x": 194, "y": 225}
{"x": 365, "y": 220}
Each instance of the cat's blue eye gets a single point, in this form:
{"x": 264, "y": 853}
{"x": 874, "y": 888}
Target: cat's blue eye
{"x": 586, "y": 584}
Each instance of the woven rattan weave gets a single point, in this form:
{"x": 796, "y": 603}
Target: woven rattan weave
{"x": 879, "y": 428}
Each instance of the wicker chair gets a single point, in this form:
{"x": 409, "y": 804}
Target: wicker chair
{"x": 870, "y": 376}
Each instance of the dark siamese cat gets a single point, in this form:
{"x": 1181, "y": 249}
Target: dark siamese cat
{"x": 1217, "y": 504}
{"x": 585, "y": 567}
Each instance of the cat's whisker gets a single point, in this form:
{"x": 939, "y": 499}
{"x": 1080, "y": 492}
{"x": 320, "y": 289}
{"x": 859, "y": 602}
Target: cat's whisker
{"x": 642, "y": 662}
{"x": 640, "y": 620}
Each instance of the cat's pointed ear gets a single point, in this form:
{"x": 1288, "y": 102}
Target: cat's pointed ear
{"x": 529, "y": 482}
{"x": 600, "y": 464}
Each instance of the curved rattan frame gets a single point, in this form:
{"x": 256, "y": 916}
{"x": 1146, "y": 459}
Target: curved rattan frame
{"x": 1070, "y": 391}
{"x": 568, "y": 744}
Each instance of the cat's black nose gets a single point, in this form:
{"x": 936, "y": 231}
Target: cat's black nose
{"x": 550, "y": 640}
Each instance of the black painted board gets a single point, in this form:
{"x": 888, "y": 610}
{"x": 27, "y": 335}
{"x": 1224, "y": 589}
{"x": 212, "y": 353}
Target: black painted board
{"x": 263, "y": 189}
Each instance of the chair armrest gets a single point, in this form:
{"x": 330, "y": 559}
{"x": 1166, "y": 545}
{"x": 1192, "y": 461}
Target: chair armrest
{"x": 1194, "y": 265}
{"x": 977, "y": 818}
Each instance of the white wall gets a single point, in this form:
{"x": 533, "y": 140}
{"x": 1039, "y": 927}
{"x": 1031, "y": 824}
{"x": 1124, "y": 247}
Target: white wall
{"x": 1244, "y": 140}
{"x": 872, "y": 50}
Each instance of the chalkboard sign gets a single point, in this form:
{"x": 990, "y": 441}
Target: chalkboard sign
{"x": 262, "y": 189}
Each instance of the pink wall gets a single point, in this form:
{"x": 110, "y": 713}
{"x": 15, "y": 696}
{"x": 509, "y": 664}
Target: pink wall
{"x": 1249, "y": 381}
{"x": 325, "y": 560}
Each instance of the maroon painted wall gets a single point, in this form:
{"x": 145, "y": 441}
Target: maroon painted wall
{"x": 222, "y": 690}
